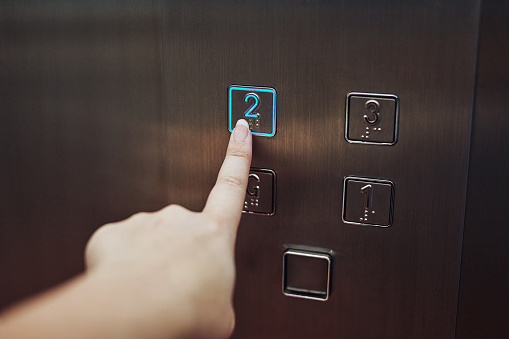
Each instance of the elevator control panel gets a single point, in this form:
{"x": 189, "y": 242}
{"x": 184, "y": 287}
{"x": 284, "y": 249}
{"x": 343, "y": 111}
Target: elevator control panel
{"x": 261, "y": 192}
{"x": 306, "y": 274}
{"x": 255, "y": 104}
{"x": 372, "y": 118}
{"x": 368, "y": 201}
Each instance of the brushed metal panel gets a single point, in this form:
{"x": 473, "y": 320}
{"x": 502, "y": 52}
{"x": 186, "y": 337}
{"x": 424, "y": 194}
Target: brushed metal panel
{"x": 81, "y": 131}
{"x": 484, "y": 294}
{"x": 399, "y": 282}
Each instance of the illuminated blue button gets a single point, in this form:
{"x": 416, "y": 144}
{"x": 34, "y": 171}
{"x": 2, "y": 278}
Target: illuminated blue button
{"x": 255, "y": 104}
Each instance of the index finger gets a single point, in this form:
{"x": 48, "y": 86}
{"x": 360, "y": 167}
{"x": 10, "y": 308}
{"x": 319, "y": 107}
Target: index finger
{"x": 226, "y": 199}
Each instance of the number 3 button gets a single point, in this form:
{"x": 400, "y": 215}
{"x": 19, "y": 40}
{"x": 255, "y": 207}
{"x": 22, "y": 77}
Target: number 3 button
{"x": 368, "y": 201}
{"x": 255, "y": 104}
{"x": 372, "y": 118}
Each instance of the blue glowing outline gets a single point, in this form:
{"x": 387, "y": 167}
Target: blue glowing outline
{"x": 253, "y": 89}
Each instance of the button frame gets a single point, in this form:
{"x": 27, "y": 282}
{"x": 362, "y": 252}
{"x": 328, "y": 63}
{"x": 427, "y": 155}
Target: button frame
{"x": 369, "y": 180}
{"x": 301, "y": 294}
{"x": 253, "y": 90}
{"x": 373, "y": 96}
{"x": 274, "y": 182}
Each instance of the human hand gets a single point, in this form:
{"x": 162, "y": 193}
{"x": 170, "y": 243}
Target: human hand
{"x": 166, "y": 274}
{"x": 172, "y": 271}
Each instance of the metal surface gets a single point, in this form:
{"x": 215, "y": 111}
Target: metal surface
{"x": 484, "y": 295}
{"x": 112, "y": 107}
{"x": 397, "y": 282}
{"x": 81, "y": 131}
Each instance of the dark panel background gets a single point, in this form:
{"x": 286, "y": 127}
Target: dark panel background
{"x": 399, "y": 282}
{"x": 106, "y": 109}
{"x": 81, "y": 131}
{"x": 484, "y": 296}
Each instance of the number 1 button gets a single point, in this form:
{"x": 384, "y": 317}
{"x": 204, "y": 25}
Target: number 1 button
{"x": 255, "y": 104}
{"x": 368, "y": 201}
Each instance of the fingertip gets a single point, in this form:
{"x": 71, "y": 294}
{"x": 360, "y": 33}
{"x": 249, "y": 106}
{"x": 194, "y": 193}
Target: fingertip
{"x": 241, "y": 131}
{"x": 242, "y": 122}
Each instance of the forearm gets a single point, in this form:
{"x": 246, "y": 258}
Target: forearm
{"x": 89, "y": 306}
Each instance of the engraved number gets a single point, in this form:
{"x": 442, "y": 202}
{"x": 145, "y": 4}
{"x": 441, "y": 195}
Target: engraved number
{"x": 256, "y": 101}
{"x": 253, "y": 189}
{"x": 368, "y": 195}
{"x": 374, "y": 116}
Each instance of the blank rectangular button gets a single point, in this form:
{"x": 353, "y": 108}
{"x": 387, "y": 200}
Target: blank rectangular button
{"x": 306, "y": 274}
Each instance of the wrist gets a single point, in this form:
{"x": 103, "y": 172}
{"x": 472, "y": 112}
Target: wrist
{"x": 95, "y": 304}
{"x": 129, "y": 306}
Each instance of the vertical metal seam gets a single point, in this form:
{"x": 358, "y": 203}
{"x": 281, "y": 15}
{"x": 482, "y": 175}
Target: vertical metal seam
{"x": 474, "y": 99}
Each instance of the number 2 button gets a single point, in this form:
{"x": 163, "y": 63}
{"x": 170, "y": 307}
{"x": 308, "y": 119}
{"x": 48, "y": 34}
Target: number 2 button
{"x": 255, "y": 104}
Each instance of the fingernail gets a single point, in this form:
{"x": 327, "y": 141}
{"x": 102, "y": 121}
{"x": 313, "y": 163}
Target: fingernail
{"x": 241, "y": 130}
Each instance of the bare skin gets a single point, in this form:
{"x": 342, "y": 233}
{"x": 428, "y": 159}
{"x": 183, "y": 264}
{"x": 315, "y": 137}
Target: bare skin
{"x": 165, "y": 274}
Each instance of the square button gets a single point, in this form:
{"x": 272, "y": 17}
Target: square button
{"x": 255, "y": 104}
{"x": 306, "y": 274}
{"x": 372, "y": 118}
{"x": 368, "y": 201}
{"x": 261, "y": 192}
